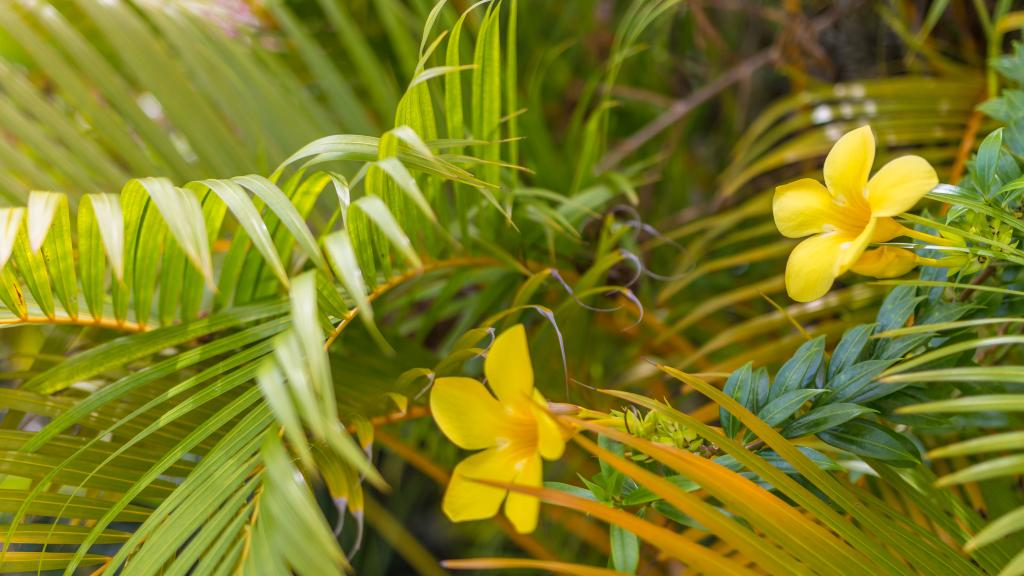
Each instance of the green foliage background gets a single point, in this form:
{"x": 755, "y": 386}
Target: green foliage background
{"x": 241, "y": 238}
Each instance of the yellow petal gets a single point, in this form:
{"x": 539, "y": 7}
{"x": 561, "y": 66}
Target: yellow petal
{"x": 802, "y": 208}
{"x": 816, "y": 262}
{"x": 550, "y": 442}
{"x": 813, "y": 266}
{"x": 522, "y": 510}
{"x": 900, "y": 184}
{"x": 466, "y": 412}
{"x": 508, "y": 368}
{"x": 886, "y": 229}
{"x": 851, "y": 252}
{"x": 468, "y": 500}
{"x": 885, "y": 262}
{"x": 848, "y": 164}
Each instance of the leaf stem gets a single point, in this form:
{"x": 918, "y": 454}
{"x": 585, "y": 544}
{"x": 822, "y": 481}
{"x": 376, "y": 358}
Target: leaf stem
{"x": 123, "y": 325}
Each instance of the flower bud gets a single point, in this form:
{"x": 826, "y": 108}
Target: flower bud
{"x": 885, "y": 262}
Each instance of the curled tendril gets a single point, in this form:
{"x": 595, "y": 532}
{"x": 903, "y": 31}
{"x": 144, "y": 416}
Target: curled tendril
{"x": 483, "y": 352}
{"x": 626, "y": 293}
{"x": 640, "y": 269}
{"x": 632, "y": 297}
{"x": 430, "y": 382}
{"x": 555, "y": 274}
{"x": 550, "y": 316}
{"x": 637, "y": 224}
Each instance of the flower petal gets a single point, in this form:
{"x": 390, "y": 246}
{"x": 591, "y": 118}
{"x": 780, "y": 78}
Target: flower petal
{"x": 550, "y": 442}
{"x": 886, "y": 229}
{"x": 802, "y": 208}
{"x": 848, "y": 164}
{"x": 468, "y": 500}
{"x": 900, "y": 184}
{"x": 466, "y": 412}
{"x": 885, "y": 262}
{"x": 508, "y": 368}
{"x": 851, "y": 252}
{"x": 813, "y": 265}
{"x": 816, "y": 262}
{"x": 522, "y": 509}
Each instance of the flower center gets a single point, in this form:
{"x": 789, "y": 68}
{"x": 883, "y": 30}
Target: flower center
{"x": 517, "y": 431}
{"x": 851, "y": 218}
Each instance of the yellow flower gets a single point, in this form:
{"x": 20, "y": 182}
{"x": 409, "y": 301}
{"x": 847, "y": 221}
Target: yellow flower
{"x": 514, "y": 431}
{"x": 846, "y": 214}
{"x": 885, "y": 262}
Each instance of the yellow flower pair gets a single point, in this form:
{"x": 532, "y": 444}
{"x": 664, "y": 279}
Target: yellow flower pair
{"x": 512, "y": 428}
{"x": 847, "y": 214}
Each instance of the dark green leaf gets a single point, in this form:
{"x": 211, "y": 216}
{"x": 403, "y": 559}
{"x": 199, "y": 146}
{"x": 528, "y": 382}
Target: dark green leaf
{"x": 897, "y": 307}
{"x": 771, "y": 457}
{"x": 850, "y": 383}
{"x": 870, "y": 440}
{"x": 625, "y": 547}
{"x": 824, "y": 418}
{"x": 799, "y": 370}
{"x": 739, "y": 386}
{"x": 570, "y": 489}
{"x": 987, "y": 160}
{"x": 781, "y": 408}
{"x": 850, "y": 349}
{"x": 643, "y": 495}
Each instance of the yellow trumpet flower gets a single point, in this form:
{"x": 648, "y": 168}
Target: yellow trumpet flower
{"x": 848, "y": 213}
{"x": 886, "y": 262}
{"x": 512, "y": 427}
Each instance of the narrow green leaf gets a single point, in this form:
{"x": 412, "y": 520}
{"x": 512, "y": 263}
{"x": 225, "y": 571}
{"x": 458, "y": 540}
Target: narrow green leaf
{"x": 234, "y": 408}
{"x": 107, "y": 210}
{"x": 375, "y": 209}
{"x": 781, "y": 408}
{"x": 32, "y": 267}
{"x": 283, "y": 208}
{"x": 1012, "y": 465}
{"x": 245, "y": 212}
{"x": 405, "y": 181}
{"x": 998, "y": 529}
{"x": 991, "y": 443}
{"x": 799, "y": 371}
{"x": 184, "y": 217}
{"x": 738, "y": 386}
{"x": 988, "y": 159}
{"x": 10, "y": 224}
{"x": 969, "y": 404}
{"x": 824, "y": 418}
{"x": 872, "y": 440}
{"x": 625, "y": 547}
{"x": 338, "y": 247}
{"x": 42, "y": 207}
{"x": 849, "y": 350}
{"x": 49, "y": 224}
{"x": 122, "y": 350}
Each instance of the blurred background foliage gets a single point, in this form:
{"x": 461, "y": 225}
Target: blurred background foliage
{"x": 606, "y": 163}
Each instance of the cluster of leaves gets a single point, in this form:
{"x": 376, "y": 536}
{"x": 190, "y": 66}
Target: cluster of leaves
{"x": 988, "y": 202}
{"x": 611, "y": 487}
{"x": 237, "y": 288}
{"x": 890, "y": 391}
{"x": 842, "y": 399}
{"x": 701, "y": 494}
